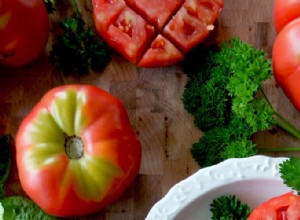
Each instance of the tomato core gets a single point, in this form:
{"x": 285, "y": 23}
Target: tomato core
{"x": 282, "y": 213}
{"x": 74, "y": 147}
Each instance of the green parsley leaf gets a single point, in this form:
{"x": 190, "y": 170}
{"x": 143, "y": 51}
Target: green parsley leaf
{"x": 229, "y": 208}
{"x": 290, "y": 173}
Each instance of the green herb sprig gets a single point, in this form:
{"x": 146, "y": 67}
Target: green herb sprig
{"x": 229, "y": 207}
{"x": 78, "y": 49}
{"x": 290, "y": 173}
{"x": 224, "y": 94}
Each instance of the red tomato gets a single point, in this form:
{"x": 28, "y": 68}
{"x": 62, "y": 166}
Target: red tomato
{"x": 24, "y": 29}
{"x": 284, "y": 12}
{"x": 286, "y": 62}
{"x": 76, "y": 151}
{"x": 175, "y": 25}
{"x": 283, "y": 207}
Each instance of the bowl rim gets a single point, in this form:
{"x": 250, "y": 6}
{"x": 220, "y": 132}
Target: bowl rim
{"x": 206, "y": 179}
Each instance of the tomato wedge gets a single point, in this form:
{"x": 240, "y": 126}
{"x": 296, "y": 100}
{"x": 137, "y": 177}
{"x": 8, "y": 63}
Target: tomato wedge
{"x": 162, "y": 52}
{"x": 192, "y": 23}
{"x": 131, "y": 34}
{"x": 157, "y": 12}
{"x": 283, "y": 207}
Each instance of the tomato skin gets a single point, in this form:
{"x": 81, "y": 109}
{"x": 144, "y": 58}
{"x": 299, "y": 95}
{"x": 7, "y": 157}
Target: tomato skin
{"x": 284, "y": 12}
{"x": 66, "y": 186}
{"x": 286, "y": 61}
{"x": 282, "y": 207}
{"x": 24, "y": 30}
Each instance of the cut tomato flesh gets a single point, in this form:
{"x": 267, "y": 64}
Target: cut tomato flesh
{"x": 204, "y": 10}
{"x": 130, "y": 26}
{"x": 162, "y": 52}
{"x": 157, "y": 12}
{"x": 185, "y": 31}
{"x": 106, "y": 12}
{"x": 131, "y": 34}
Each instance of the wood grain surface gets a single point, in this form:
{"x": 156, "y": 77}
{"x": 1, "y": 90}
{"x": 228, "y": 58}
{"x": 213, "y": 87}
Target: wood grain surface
{"x": 152, "y": 98}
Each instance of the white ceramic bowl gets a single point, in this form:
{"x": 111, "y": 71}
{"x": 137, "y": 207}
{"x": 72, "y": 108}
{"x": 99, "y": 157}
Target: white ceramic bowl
{"x": 253, "y": 180}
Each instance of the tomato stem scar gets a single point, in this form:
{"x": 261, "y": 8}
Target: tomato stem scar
{"x": 73, "y": 147}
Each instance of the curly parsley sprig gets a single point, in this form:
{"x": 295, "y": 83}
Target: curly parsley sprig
{"x": 290, "y": 173}
{"x": 78, "y": 49}
{"x": 229, "y": 207}
{"x": 224, "y": 94}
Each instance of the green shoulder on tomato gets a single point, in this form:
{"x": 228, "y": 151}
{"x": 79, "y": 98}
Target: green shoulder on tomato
{"x": 76, "y": 151}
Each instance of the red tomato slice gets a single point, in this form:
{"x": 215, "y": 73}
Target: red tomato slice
{"x": 157, "y": 12}
{"x": 162, "y": 52}
{"x": 131, "y": 34}
{"x": 185, "y": 31}
{"x": 106, "y": 12}
{"x": 192, "y": 23}
{"x": 284, "y": 12}
{"x": 283, "y": 207}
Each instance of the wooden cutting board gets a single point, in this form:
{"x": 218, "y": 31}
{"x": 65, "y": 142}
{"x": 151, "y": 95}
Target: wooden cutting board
{"x": 152, "y": 98}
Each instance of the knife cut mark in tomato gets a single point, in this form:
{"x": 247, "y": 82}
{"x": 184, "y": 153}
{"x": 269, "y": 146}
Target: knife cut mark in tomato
{"x": 184, "y": 23}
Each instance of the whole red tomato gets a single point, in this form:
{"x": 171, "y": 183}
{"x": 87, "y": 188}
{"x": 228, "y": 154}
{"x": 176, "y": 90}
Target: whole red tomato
{"x": 283, "y": 207}
{"x": 152, "y": 33}
{"x": 286, "y": 61}
{"x": 76, "y": 151}
{"x": 284, "y": 12}
{"x": 24, "y": 29}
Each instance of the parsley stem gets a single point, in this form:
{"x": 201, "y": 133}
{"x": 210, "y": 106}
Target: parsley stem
{"x": 76, "y": 7}
{"x": 278, "y": 149}
{"x": 284, "y": 124}
{"x": 288, "y": 127}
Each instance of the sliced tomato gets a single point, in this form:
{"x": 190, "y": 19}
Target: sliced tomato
{"x": 185, "y": 31}
{"x": 130, "y": 34}
{"x": 130, "y": 26}
{"x": 192, "y": 23}
{"x": 157, "y": 12}
{"x": 106, "y": 12}
{"x": 283, "y": 207}
{"x": 205, "y": 10}
{"x": 162, "y": 52}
